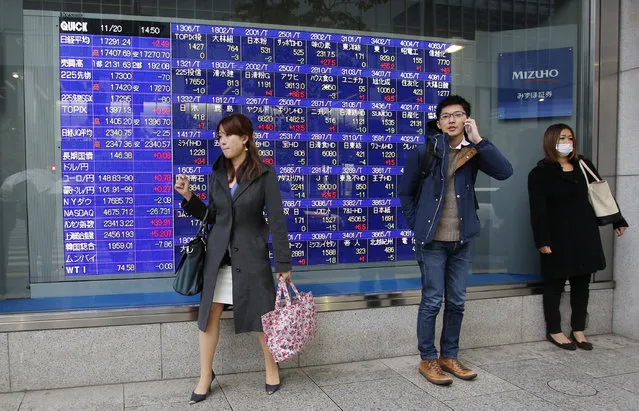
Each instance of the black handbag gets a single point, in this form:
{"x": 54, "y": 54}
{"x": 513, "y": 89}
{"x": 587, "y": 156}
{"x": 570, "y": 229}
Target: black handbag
{"x": 190, "y": 271}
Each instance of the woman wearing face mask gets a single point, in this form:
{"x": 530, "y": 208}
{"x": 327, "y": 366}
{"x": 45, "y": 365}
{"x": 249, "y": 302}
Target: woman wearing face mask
{"x": 566, "y": 233}
{"x": 237, "y": 269}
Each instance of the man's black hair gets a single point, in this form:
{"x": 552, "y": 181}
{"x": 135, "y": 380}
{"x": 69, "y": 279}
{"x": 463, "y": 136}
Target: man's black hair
{"x": 451, "y": 100}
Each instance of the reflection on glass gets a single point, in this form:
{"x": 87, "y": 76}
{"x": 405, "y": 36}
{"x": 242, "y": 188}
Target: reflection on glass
{"x": 339, "y": 95}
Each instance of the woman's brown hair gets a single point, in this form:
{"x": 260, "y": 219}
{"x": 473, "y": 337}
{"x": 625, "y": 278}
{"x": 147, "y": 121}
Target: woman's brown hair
{"x": 241, "y": 125}
{"x": 551, "y": 137}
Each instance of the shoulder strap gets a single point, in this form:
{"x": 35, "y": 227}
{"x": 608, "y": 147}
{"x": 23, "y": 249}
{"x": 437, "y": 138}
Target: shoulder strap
{"x": 426, "y": 164}
{"x": 584, "y": 167}
{"x": 203, "y": 224}
{"x": 474, "y": 191}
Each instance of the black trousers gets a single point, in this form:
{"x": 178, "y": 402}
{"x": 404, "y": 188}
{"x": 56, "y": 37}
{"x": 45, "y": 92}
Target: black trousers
{"x": 579, "y": 290}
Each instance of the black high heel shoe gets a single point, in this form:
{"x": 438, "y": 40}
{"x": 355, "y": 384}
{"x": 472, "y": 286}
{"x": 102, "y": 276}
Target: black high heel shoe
{"x": 566, "y": 346}
{"x": 270, "y": 389}
{"x": 195, "y": 398}
{"x": 584, "y": 345}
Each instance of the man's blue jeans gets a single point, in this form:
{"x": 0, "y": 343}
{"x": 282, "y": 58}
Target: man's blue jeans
{"x": 444, "y": 267}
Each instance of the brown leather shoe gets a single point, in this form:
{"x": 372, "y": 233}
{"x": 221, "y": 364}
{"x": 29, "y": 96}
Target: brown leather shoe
{"x": 433, "y": 372}
{"x": 453, "y": 366}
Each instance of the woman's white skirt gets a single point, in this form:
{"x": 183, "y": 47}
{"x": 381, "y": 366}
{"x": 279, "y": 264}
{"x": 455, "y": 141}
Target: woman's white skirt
{"x": 224, "y": 286}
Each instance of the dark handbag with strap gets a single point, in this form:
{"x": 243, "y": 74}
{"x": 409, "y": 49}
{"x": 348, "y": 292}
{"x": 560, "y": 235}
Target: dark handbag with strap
{"x": 190, "y": 271}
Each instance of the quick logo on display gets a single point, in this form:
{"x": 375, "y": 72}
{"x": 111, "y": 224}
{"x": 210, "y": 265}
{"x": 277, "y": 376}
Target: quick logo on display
{"x": 74, "y": 26}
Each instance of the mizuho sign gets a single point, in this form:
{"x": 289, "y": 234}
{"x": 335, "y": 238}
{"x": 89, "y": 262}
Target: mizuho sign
{"x": 535, "y": 83}
{"x": 535, "y": 74}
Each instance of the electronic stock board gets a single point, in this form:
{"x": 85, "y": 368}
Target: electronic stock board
{"x": 335, "y": 114}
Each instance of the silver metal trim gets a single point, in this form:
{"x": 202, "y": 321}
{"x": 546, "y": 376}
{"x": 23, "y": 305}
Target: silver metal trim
{"x": 156, "y": 315}
{"x": 608, "y": 87}
{"x": 606, "y": 93}
{"x": 593, "y": 15}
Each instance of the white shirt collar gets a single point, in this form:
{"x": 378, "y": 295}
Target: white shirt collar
{"x": 463, "y": 143}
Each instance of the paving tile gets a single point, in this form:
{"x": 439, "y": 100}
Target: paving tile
{"x": 499, "y": 354}
{"x": 608, "y": 397}
{"x": 566, "y": 387}
{"x": 612, "y": 341}
{"x": 182, "y": 406}
{"x": 390, "y": 394}
{"x": 204, "y": 405}
{"x": 170, "y": 393}
{"x": 103, "y": 398}
{"x": 485, "y": 383}
{"x": 602, "y": 363}
{"x": 349, "y": 372}
{"x": 629, "y": 382}
{"x": 298, "y": 392}
{"x": 530, "y": 376}
{"x": 11, "y": 402}
{"x": 549, "y": 353}
{"x": 632, "y": 352}
{"x": 512, "y": 400}
{"x": 4, "y": 363}
{"x": 533, "y": 375}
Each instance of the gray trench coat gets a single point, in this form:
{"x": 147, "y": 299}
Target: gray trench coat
{"x": 238, "y": 224}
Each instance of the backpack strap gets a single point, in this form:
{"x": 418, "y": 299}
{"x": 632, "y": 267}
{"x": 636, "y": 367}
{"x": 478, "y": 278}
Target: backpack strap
{"x": 426, "y": 163}
{"x": 475, "y": 192}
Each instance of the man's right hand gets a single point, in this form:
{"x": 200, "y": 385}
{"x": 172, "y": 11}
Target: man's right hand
{"x": 183, "y": 186}
{"x": 545, "y": 250}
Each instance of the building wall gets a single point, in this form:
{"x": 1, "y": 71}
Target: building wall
{"x": 626, "y": 263}
{"x": 33, "y": 360}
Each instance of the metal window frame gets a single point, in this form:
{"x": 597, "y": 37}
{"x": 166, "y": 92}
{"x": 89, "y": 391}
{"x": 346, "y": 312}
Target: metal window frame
{"x": 158, "y": 315}
{"x": 604, "y": 60}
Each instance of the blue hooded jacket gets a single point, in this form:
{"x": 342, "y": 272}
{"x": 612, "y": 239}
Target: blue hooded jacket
{"x": 422, "y": 214}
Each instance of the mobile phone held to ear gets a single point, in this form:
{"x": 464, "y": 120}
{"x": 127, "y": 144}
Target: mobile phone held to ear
{"x": 467, "y": 128}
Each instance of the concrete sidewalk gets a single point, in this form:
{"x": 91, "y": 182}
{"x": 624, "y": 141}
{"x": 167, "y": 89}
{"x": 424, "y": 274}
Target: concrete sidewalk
{"x": 530, "y": 376}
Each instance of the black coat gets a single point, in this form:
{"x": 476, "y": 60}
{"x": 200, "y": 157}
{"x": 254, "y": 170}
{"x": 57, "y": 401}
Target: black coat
{"x": 238, "y": 225}
{"x": 563, "y": 219}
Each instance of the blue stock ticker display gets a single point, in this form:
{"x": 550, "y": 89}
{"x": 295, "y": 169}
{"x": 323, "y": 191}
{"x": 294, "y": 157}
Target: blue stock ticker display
{"x": 335, "y": 114}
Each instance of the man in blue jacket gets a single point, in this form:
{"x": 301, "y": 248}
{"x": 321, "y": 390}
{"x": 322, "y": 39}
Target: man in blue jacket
{"x": 437, "y": 195}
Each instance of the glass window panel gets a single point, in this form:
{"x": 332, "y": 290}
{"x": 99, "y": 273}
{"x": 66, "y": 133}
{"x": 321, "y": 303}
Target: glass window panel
{"x": 36, "y": 260}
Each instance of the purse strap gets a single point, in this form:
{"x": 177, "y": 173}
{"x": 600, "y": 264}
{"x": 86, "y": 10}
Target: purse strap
{"x": 584, "y": 167}
{"x": 203, "y": 223}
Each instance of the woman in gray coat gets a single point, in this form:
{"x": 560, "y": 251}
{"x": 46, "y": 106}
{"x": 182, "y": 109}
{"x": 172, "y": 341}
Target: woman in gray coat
{"x": 237, "y": 270}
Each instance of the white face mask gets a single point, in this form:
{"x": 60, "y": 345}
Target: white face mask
{"x": 564, "y": 150}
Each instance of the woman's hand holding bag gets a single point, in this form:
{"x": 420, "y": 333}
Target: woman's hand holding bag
{"x": 292, "y": 324}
